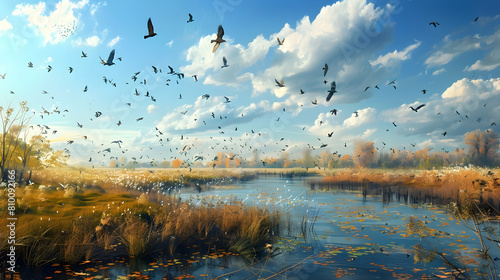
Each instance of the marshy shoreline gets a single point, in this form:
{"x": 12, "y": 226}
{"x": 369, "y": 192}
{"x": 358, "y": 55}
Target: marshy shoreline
{"x": 71, "y": 216}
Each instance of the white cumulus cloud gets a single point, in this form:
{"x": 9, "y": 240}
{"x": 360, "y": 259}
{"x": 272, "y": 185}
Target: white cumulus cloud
{"x": 58, "y": 25}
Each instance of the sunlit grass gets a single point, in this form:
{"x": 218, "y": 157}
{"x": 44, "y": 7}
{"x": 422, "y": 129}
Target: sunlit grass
{"x": 98, "y": 217}
{"x": 460, "y": 185}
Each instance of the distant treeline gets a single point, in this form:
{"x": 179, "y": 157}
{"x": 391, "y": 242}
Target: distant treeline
{"x": 482, "y": 150}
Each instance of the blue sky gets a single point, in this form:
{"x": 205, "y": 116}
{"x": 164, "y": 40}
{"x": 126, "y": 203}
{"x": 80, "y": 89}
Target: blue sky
{"x": 364, "y": 44}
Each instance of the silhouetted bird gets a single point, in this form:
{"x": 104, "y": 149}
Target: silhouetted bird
{"x": 434, "y": 23}
{"x": 111, "y": 56}
{"x": 224, "y": 62}
{"x": 280, "y": 42}
{"x": 424, "y": 91}
{"x": 280, "y": 83}
{"x": 190, "y": 18}
{"x": 151, "y": 30}
{"x": 325, "y": 70}
{"x": 84, "y": 54}
{"x": 218, "y": 40}
{"x": 418, "y": 107}
{"x": 331, "y": 91}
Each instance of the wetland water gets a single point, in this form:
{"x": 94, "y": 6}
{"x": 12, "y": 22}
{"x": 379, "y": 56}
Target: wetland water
{"x": 357, "y": 235}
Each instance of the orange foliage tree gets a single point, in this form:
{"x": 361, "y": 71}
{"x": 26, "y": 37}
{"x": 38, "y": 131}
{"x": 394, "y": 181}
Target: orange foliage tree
{"x": 363, "y": 153}
{"x": 483, "y": 146}
{"x": 176, "y": 163}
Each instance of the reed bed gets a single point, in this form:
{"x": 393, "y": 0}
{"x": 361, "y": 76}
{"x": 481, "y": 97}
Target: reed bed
{"x": 94, "y": 217}
{"x": 456, "y": 185}
{"x": 138, "y": 179}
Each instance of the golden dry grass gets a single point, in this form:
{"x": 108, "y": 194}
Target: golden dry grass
{"x": 97, "y": 212}
{"x": 461, "y": 184}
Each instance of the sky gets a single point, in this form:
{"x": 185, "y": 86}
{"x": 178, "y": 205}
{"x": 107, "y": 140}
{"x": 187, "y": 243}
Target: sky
{"x": 366, "y": 45}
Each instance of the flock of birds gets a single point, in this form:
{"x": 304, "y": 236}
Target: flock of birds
{"x": 232, "y": 147}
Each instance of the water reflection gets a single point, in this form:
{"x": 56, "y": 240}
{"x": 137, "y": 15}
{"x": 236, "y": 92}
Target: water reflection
{"x": 390, "y": 193}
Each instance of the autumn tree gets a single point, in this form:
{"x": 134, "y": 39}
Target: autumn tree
{"x": 324, "y": 158}
{"x": 122, "y": 161}
{"x": 176, "y": 163}
{"x": 13, "y": 123}
{"x": 483, "y": 146}
{"x": 363, "y": 153}
{"x": 308, "y": 158}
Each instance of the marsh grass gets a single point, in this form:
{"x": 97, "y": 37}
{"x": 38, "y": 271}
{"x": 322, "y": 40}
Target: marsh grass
{"x": 137, "y": 179}
{"x": 458, "y": 186}
{"x": 97, "y": 218}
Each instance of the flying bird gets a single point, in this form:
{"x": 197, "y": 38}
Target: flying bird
{"x": 111, "y": 56}
{"x": 49, "y": 68}
{"x": 434, "y": 23}
{"x": 331, "y": 91}
{"x": 227, "y": 99}
{"x": 70, "y": 69}
{"x": 418, "y": 107}
{"x": 195, "y": 77}
{"x": 84, "y": 54}
{"x": 366, "y": 88}
{"x": 334, "y": 112}
{"x": 151, "y": 30}
{"x": 281, "y": 83}
{"x": 190, "y": 18}
{"x": 280, "y": 42}
{"x": 3, "y": 76}
{"x": 117, "y": 142}
{"x": 206, "y": 96}
{"x": 301, "y": 91}
{"x": 325, "y": 70}
{"x": 218, "y": 40}
{"x": 224, "y": 62}
{"x": 475, "y": 20}
{"x": 30, "y": 64}
{"x": 424, "y": 91}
